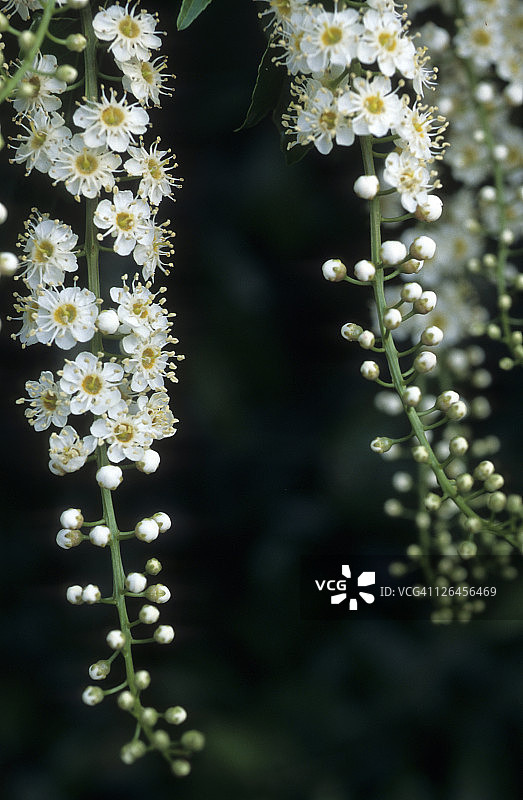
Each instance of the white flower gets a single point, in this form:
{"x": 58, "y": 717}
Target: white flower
{"x": 109, "y": 477}
{"x": 152, "y": 166}
{"x": 320, "y": 119}
{"x": 150, "y": 257}
{"x": 131, "y": 34}
{"x": 330, "y": 38}
{"x": 48, "y": 251}
{"x": 480, "y": 41}
{"x": 22, "y": 7}
{"x": 111, "y": 122}
{"x": 408, "y": 175}
{"x": 48, "y": 404}
{"x": 148, "y": 361}
{"x": 92, "y": 384}
{"x": 383, "y": 42}
{"x": 85, "y": 170}
{"x": 128, "y": 435}
{"x": 127, "y": 219}
{"x": 280, "y": 11}
{"x": 161, "y": 416}
{"x": 45, "y": 87}
{"x": 145, "y": 79}
{"x": 68, "y": 452}
{"x": 137, "y": 310}
{"x": 374, "y": 107}
{"x": 40, "y": 145}
{"x": 416, "y": 128}
{"x": 65, "y": 317}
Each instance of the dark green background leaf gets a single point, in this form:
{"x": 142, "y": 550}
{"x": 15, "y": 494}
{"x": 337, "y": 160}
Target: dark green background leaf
{"x": 189, "y": 11}
{"x": 266, "y": 92}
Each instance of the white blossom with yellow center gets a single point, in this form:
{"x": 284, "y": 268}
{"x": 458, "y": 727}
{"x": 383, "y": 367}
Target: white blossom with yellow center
{"x": 131, "y": 34}
{"x": 65, "y": 316}
{"x": 48, "y": 251}
{"x": 127, "y": 219}
{"x": 85, "y": 170}
{"x": 92, "y": 384}
{"x": 111, "y": 122}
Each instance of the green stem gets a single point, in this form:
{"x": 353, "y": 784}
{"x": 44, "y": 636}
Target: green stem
{"x": 15, "y": 80}
{"x": 93, "y": 278}
{"x": 448, "y": 487}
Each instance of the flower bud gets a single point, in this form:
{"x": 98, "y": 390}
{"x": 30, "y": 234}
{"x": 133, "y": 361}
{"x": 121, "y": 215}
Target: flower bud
{"x": 158, "y": 593}
{"x": 426, "y": 302}
{"x": 193, "y": 740}
{"x": 71, "y": 518}
{"x": 99, "y": 670}
{"x": 175, "y": 715}
{"x": 66, "y": 73}
{"x": 350, "y": 331}
{"x": 411, "y": 292}
{"x": 370, "y": 370}
{"x": 109, "y": 477}
{"x": 135, "y": 582}
{"x": 423, "y": 248}
{"x": 334, "y": 270}
{"x": 457, "y": 411}
{"x": 430, "y": 209}
{"x": 125, "y": 701}
{"x": 153, "y": 566}
{"x": 181, "y": 767}
{"x": 67, "y": 538}
{"x": 76, "y": 42}
{"x": 149, "y": 614}
{"x": 74, "y": 595}
{"x": 26, "y": 40}
{"x": 446, "y": 399}
{"x": 366, "y": 186}
{"x": 92, "y": 695}
{"x": 149, "y": 462}
{"x": 432, "y": 336}
{"x": 412, "y": 396}
{"x": 91, "y": 594}
{"x": 425, "y": 362}
{"x": 366, "y": 340}
{"x": 100, "y": 535}
{"x": 107, "y": 321}
{"x": 364, "y": 270}
{"x": 392, "y": 252}
{"x": 392, "y": 318}
{"x": 164, "y": 634}
{"x": 381, "y": 444}
{"x": 142, "y": 679}
{"x": 147, "y": 530}
{"x": 115, "y": 639}
{"x": 162, "y": 520}
{"x": 8, "y": 264}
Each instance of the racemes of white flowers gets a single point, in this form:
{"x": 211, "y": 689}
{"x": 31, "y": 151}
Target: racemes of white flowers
{"x": 127, "y": 219}
{"x": 131, "y": 34}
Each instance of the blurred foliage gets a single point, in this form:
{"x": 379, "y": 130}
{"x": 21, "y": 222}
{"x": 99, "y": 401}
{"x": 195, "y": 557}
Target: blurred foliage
{"x": 271, "y": 462}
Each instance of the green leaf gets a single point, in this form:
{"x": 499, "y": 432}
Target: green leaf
{"x": 266, "y": 92}
{"x": 189, "y": 11}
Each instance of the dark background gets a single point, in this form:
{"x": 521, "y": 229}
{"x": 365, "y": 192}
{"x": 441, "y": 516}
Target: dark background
{"x": 271, "y": 462}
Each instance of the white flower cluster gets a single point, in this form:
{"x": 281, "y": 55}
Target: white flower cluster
{"x": 125, "y": 391}
{"x": 334, "y": 104}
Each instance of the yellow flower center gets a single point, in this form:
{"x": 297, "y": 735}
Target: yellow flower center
{"x": 49, "y": 400}
{"x": 147, "y": 72}
{"x": 155, "y": 168}
{"x": 140, "y": 309}
{"x": 328, "y": 120}
{"x": 112, "y": 116}
{"x": 129, "y": 28}
{"x": 481, "y": 37}
{"x": 92, "y": 384}
{"x": 43, "y": 250}
{"x": 374, "y": 104}
{"x": 283, "y": 7}
{"x": 124, "y": 432}
{"x": 86, "y": 163}
{"x": 65, "y": 314}
{"x": 331, "y": 36}
{"x": 38, "y": 139}
{"x": 125, "y": 221}
{"x": 387, "y": 40}
{"x": 149, "y": 356}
